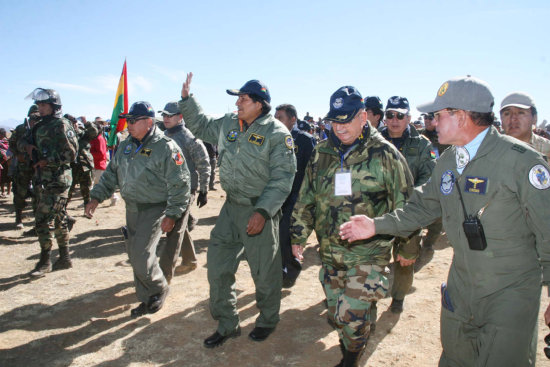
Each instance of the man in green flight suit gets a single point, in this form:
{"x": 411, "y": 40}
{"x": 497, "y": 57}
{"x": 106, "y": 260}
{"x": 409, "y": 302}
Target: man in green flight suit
{"x": 355, "y": 170}
{"x": 492, "y": 193}
{"x": 256, "y": 168}
{"x": 418, "y": 152}
{"x": 153, "y": 178}
{"x": 53, "y": 145}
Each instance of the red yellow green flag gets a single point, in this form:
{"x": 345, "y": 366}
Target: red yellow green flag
{"x": 121, "y": 106}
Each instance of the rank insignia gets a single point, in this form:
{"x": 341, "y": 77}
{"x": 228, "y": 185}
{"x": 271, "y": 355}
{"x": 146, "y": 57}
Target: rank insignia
{"x": 289, "y": 142}
{"x": 539, "y": 177}
{"x": 447, "y": 182}
{"x": 128, "y": 149}
{"x": 232, "y": 135}
{"x": 256, "y": 139}
{"x": 178, "y": 158}
{"x": 146, "y": 152}
{"x": 476, "y": 185}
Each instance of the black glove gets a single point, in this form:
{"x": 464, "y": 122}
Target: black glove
{"x": 202, "y": 199}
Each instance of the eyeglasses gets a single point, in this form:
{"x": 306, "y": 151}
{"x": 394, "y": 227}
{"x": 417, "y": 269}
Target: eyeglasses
{"x": 449, "y": 110}
{"x": 428, "y": 118}
{"x": 132, "y": 120}
{"x": 390, "y": 115}
{"x": 168, "y": 115}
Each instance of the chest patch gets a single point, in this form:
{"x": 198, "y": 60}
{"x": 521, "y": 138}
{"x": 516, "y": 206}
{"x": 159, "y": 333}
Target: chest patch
{"x": 289, "y": 142}
{"x": 128, "y": 149}
{"x": 476, "y": 185}
{"x": 539, "y": 177}
{"x": 178, "y": 158}
{"x": 70, "y": 134}
{"x": 146, "y": 152}
{"x": 232, "y": 135}
{"x": 447, "y": 182}
{"x": 256, "y": 139}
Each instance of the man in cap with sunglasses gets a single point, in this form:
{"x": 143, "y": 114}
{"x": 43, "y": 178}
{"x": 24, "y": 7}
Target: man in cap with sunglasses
{"x": 196, "y": 158}
{"x": 52, "y": 146}
{"x": 519, "y": 116}
{"x": 492, "y": 192}
{"x": 150, "y": 171}
{"x": 418, "y": 152}
{"x": 355, "y": 170}
{"x": 256, "y": 168}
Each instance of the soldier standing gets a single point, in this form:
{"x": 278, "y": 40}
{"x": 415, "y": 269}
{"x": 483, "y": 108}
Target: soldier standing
{"x": 198, "y": 164}
{"x": 150, "y": 171}
{"x": 22, "y": 179}
{"x": 354, "y": 171}
{"x": 53, "y": 145}
{"x": 257, "y": 166}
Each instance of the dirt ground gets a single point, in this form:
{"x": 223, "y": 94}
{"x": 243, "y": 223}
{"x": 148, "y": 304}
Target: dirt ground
{"x": 81, "y": 316}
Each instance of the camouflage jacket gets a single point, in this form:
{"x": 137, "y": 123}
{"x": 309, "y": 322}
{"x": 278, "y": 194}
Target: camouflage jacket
{"x": 419, "y": 153}
{"x": 85, "y": 135}
{"x": 381, "y": 182}
{"x": 17, "y": 136}
{"x": 195, "y": 155}
{"x": 56, "y": 142}
{"x": 152, "y": 171}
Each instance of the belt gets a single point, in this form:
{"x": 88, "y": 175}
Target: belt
{"x": 242, "y": 200}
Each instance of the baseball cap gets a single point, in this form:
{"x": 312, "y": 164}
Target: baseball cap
{"x": 344, "y": 104}
{"x": 253, "y": 86}
{"x": 399, "y": 104}
{"x": 517, "y": 99}
{"x": 374, "y": 103}
{"x": 463, "y": 93}
{"x": 140, "y": 108}
{"x": 303, "y": 125}
{"x": 171, "y": 108}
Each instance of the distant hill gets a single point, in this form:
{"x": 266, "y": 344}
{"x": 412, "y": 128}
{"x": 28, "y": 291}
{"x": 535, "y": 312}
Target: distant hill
{"x": 10, "y": 124}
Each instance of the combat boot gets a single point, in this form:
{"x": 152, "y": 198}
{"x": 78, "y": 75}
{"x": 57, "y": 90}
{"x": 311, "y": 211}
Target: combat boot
{"x": 44, "y": 265}
{"x": 18, "y": 218}
{"x": 351, "y": 359}
{"x": 343, "y": 350}
{"x": 64, "y": 261}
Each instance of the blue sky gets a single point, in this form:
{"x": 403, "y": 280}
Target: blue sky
{"x": 302, "y": 50}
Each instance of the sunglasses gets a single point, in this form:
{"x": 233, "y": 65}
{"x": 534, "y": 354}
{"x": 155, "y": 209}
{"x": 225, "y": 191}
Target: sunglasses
{"x": 132, "y": 121}
{"x": 390, "y": 115}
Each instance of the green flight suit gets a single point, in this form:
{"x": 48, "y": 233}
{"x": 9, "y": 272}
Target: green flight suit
{"x": 154, "y": 182}
{"x": 491, "y": 305}
{"x": 352, "y": 275}
{"x": 256, "y": 168}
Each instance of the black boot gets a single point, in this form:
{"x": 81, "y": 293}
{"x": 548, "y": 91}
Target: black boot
{"x": 64, "y": 261}
{"x": 343, "y": 350}
{"x": 18, "y": 218}
{"x": 351, "y": 359}
{"x": 44, "y": 265}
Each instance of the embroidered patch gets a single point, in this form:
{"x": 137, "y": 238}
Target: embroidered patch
{"x": 146, "y": 152}
{"x": 338, "y": 103}
{"x": 178, "y": 158}
{"x": 232, "y": 135}
{"x": 443, "y": 89}
{"x": 539, "y": 177}
{"x": 447, "y": 182}
{"x": 476, "y": 185}
{"x": 433, "y": 155}
{"x": 128, "y": 149}
{"x": 70, "y": 134}
{"x": 256, "y": 139}
{"x": 289, "y": 142}
{"x": 462, "y": 157}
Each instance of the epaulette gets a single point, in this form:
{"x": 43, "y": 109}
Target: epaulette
{"x": 518, "y": 148}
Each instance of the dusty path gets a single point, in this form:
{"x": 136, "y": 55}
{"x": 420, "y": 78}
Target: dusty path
{"x": 80, "y": 317}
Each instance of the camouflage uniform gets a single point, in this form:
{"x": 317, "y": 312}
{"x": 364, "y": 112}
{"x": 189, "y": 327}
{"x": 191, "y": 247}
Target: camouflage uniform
{"x": 418, "y": 151}
{"x": 352, "y": 275}
{"x": 56, "y": 142}
{"x": 23, "y": 170}
{"x": 83, "y": 167}
{"x": 198, "y": 163}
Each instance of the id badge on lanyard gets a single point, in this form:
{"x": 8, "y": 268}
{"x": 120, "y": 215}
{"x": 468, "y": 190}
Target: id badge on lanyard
{"x": 342, "y": 181}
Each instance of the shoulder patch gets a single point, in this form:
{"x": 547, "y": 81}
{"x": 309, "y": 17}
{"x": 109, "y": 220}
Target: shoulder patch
{"x": 518, "y": 148}
{"x": 178, "y": 158}
{"x": 289, "y": 142}
{"x": 539, "y": 177}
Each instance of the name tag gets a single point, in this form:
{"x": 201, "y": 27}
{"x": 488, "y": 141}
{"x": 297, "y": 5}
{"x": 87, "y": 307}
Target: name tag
{"x": 476, "y": 185}
{"x": 342, "y": 184}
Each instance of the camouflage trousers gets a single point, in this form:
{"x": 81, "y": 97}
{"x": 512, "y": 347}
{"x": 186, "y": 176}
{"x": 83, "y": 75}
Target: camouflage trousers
{"x": 350, "y": 294}
{"x": 21, "y": 185}
{"x": 81, "y": 175}
{"x": 50, "y": 206}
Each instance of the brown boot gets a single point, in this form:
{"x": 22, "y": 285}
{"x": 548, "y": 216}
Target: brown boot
{"x": 64, "y": 261}
{"x": 43, "y": 266}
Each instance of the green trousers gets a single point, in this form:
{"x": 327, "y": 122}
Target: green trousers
{"x": 229, "y": 244}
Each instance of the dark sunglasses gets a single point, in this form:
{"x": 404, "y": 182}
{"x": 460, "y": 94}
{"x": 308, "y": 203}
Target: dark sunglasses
{"x": 390, "y": 115}
{"x": 132, "y": 121}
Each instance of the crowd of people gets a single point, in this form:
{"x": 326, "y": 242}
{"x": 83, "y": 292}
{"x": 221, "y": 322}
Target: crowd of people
{"x": 365, "y": 179}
